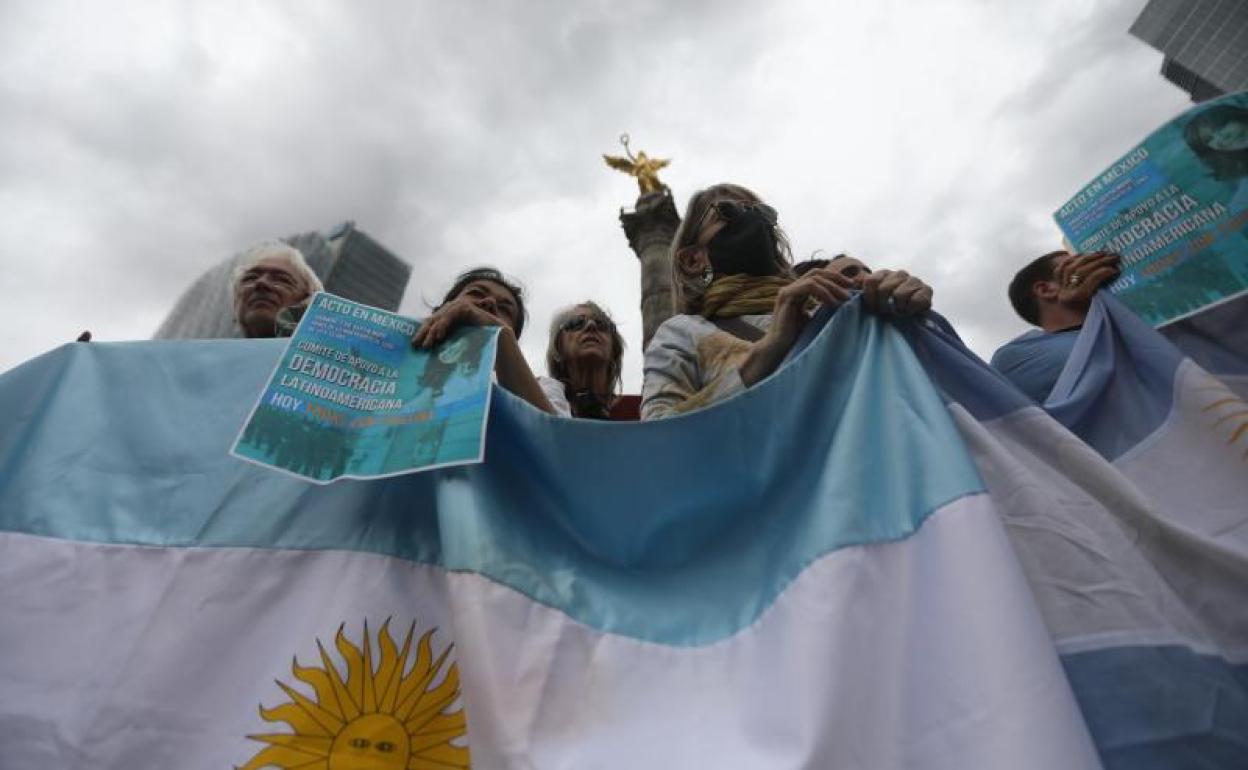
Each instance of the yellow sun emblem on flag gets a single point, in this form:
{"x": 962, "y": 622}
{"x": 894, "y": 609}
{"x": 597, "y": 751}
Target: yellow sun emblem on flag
{"x": 1230, "y": 411}
{"x": 376, "y": 718}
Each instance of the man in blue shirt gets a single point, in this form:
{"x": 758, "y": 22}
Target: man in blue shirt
{"x": 1053, "y": 293}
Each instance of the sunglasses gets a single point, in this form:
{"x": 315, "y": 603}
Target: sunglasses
{"x": 578, "y": 322}
{"x": 728, "y": 210}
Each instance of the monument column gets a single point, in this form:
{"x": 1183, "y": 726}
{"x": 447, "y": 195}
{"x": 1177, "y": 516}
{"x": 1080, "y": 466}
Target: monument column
{"x": 650, "y": 228}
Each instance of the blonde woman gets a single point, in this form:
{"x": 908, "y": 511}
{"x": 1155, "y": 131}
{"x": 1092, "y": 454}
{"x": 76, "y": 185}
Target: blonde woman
{"x": 741, "y": 307}
{"x": 583, "y": 358}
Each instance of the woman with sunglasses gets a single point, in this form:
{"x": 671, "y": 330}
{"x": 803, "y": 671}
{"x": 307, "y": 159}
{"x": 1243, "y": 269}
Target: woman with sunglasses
{"x": 741, "y": 306}
{"x": 483, "y": 297}
{"x": 584, "y": 358}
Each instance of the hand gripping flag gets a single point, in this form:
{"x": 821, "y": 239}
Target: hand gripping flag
{"x": 1126, "y": 500}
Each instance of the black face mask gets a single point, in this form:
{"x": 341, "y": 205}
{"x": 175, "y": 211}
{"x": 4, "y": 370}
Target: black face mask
{"x": 746, "y": 244}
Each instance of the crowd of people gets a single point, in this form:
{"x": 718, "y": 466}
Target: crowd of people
{"x": 741, "y": 304}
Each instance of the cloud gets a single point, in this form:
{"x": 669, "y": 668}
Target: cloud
{"x": 145, "y": 142}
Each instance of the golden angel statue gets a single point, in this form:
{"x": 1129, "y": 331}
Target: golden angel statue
{"x": 645, "y": 168}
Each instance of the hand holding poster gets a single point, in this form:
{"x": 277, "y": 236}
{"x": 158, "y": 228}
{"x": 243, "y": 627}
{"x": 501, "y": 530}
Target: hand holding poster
{"x": 1176, "y": 208}
{"x": 351, "y": 398}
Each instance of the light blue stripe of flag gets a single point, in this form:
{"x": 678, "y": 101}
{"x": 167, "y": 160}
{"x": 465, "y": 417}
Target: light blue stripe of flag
{"x": 1117, "y": 387}
{"x": 682, "y": 531}
{"x": 1149, "y": 706}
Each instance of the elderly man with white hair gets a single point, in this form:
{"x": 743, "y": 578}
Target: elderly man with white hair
{"x": 272, "y": 277}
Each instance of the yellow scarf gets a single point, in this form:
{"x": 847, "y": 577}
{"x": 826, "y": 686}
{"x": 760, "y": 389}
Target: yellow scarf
{"x": 738, "y": 295}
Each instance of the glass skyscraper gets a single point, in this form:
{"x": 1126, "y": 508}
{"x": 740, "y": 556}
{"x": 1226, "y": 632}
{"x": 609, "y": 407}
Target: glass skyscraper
{"x": 1205, "y": 43}
{"x": 348, "y": 261}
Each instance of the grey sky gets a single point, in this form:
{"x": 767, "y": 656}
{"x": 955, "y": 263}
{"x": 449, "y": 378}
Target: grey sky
{"x": 140, "y": 143}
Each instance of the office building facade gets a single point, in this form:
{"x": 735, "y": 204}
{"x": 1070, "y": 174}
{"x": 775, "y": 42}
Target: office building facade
{"x": 349, "y": 262}
{"x": 1204, "y": 42}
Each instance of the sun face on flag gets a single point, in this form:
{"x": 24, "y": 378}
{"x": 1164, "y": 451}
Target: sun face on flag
{"x": 1230, "y": 413}
{"x": 377, "y": 717}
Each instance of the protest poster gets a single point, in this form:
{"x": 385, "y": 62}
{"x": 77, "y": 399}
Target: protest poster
{"x": 1175, "y": 207}
{"x": 351, "y": 398}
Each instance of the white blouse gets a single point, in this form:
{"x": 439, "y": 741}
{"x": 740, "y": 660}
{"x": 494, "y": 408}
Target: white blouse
{"x": 556, "y": 395}
{"x": 691, "y": 363}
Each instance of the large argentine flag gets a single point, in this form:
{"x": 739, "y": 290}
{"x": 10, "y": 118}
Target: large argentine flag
{"x": 810, "y": 575}
{"x": 1216, "y": 339}
{"x": 1126, "y": 499}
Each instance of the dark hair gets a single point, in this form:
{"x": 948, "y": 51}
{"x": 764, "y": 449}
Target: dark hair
{"x": 493, "y": 275}
{"x": 1021, "y": 295}
{"x": 1226, "y": 165}
{"x": 802, "y": 268}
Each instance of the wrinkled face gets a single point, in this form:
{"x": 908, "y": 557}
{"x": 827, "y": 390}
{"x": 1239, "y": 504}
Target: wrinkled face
{"x": 586, "y": 336}
{"x": 1229, "y": 137}
{"x": 372, "y": 742}
{"x": 268, "y": 286}
{"x": 494, "y": 299}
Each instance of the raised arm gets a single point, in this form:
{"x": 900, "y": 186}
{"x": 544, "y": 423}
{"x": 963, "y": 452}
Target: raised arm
{"x": 512, "y": 369}
{"x": 515, "y": 375}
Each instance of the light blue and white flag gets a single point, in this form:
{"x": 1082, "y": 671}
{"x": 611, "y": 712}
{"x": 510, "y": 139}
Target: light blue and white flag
{"x": 1126, "y": 499}
{"x": 808, "y": 575}
{"x": 1216, "y": 340}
